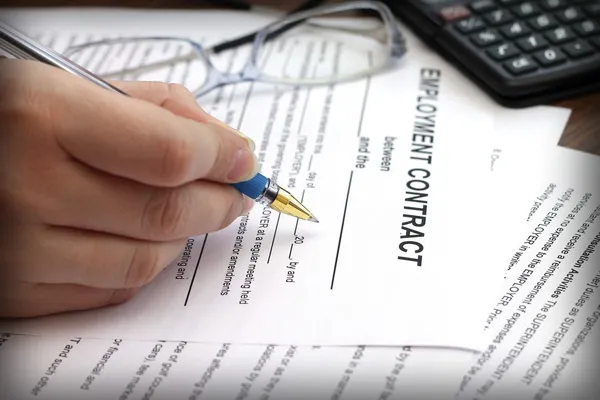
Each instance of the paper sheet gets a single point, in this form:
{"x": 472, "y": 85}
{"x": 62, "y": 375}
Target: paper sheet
{"x": 268, "y": 279}
{"x": 547, "y": 311}
{"x": 543, "y": 330}
{"x": 378, "y": 161}
{"x": 323, "y": 372}
{"x": 329, "y": 372}
{"x": 74, "y": 368}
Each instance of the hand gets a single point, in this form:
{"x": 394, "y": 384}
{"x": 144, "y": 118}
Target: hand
{"x": 99, "y": 191}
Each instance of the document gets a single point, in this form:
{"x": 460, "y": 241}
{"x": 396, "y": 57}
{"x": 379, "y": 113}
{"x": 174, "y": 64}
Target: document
{"x": 378, "y": 158}
{"x": 542, "y": 334}
{"x": 71, "y": 366}
{"x": 533, "y": 128}
{"x": 83, "y": 368}
{"x": 120, "y": 368}
{"x": 379, "y": 161}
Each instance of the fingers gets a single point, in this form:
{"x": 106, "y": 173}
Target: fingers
{"x": 94, "y": 259}
{"x": 23, "y": 300}
{"x": 134, "y": 138}
{"x": 145, "y": 143}
{"x": 104, "y": 189}
{"x": 100, "y": 202}
{"x": 175, "y": 98}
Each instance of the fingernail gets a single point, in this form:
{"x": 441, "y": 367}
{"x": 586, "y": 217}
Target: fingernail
{"x": 251, "y": 143}
{"x": 245, "y": 166}
{"x": 248, "y": 205}
{"x": 240, "y": 134}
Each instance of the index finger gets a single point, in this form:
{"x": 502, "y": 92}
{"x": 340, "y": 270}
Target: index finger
{"x": 175, "y": 98}
{"x": 138, "y": 140}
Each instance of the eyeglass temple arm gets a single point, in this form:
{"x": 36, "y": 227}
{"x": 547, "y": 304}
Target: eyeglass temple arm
{"x": 249, "y": 38}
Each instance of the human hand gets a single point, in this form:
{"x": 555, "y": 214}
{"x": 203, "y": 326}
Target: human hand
{"x": 99, "y": 191}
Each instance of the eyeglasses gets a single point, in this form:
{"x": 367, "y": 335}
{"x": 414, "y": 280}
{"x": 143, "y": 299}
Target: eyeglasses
{"x": 355, "y": 49}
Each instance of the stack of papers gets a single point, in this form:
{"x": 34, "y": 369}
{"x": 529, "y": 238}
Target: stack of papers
{"x": 455, "y": 258}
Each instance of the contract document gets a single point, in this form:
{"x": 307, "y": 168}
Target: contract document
{"x": 81, "y": 368}
{"x": 72, "y": 367}
{"x": 542, "y": 330}
{"x": 542, "y": 334}
{"x": 379, "y": 161}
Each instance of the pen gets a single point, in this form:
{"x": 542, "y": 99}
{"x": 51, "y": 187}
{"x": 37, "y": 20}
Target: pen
{"x": 260, "y": 188}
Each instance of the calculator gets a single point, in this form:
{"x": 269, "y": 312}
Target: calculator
{"x": 521, "y": 52}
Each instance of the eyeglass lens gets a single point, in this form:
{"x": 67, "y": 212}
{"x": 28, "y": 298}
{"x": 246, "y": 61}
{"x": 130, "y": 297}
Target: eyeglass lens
{"x": 300, "y": 53}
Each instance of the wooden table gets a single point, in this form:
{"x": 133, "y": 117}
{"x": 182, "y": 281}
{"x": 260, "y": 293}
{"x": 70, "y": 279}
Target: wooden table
{"x": 582, "y": 132}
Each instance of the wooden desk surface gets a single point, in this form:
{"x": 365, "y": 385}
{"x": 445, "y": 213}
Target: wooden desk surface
{"x": 582, "y": 132}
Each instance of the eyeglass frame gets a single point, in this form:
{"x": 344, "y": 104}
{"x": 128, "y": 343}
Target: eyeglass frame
{"x": 215, "y": 78}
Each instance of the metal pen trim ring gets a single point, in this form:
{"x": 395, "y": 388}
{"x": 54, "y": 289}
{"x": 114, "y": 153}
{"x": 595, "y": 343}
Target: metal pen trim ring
{"x": 268, "y": 196}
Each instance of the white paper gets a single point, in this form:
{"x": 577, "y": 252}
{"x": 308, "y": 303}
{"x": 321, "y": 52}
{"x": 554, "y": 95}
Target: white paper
{"x": 322, "y": 372}
{"x": 283, "y": 285}
{"x": 544, "y": 319}
{"x": 348, "y": 152}
{"x": 75, "y": 368}
{"x": 316, "y": 372}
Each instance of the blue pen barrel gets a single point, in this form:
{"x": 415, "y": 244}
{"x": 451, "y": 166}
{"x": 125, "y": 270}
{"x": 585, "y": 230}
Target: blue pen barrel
{"x": 254, "y": 187}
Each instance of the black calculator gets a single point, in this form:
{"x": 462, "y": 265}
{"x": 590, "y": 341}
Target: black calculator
{"x": 522, "y": 52}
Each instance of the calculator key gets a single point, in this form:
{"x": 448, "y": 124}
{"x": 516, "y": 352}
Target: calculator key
{"x": 560, "y": 35}
{"x": 521, "y": 65}
{"x": 550, "y": 57}
{"x": 515, "y": 30}
{"x": 486, "y": 38}
{"x": 454, "y": 13}
{"x": 483, "y": 6}
{"x": 593, "y": 9}
{"x": 569, "y": 15}
{"x": 578, "y": 49}
{"x": 527, "y": 9}
{"x": 596, "y": 41}
{"x": 508, "y": 2}
{"x": 470, "y": 25}
{"x": 532, "y": 42}
{"x": 498, "y": 17}
{"x": 587, "y": 28}
{"x": 553, "y": 4}
{"x": 543, "y": 22}
{"x": 503, "y": 51}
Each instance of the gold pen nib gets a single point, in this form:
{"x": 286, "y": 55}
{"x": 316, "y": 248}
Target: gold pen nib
{"x": 287, "y": 204}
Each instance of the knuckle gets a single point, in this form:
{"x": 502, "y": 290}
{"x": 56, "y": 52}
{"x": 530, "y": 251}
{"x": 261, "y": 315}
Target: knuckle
{"x": 17, "y": 118}
{"x": 30, "y": 111}
{"x": 223, "y": 156}
{"x": 160, "y": 89}
{"x": 22, "y": 109}
{"x": 178, "y": 90}
{"x": 166, "y": 214}
{"x": 176, "y": 161}
{"x": 154, "y": 91}
{"x": 143, "y": 266}
{"x": 158, "y": 86}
